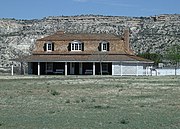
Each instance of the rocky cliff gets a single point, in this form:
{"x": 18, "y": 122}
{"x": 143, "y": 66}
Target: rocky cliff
{"x": 148, "y": 34}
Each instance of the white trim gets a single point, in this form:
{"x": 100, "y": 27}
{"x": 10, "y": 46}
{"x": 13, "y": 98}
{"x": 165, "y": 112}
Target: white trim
{"x": 65, "y": 68}
{"x": 73, "y": 46}
{"x": 39, "y": 68}
{"x": 94, "y": 68}
{"x": 112, "y": 68}
{"x": 47, "y": 46}
{"x": 12, "y": 69}
{"x": 102, "y": 46}
{"x": 121, "y": 69}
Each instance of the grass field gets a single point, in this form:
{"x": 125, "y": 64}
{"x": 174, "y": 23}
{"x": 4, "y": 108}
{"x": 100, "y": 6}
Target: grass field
{"x": 87, "y": 102}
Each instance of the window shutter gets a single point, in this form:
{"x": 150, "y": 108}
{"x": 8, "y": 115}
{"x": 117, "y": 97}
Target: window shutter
{"x": 52, "y": 46}
{"x": 69, "y": 47}
{"x": 45, "y": 47}
{"x": 107, "y": 46}
{"x": 82, "y": 46}
{"x": 99, "y": 47}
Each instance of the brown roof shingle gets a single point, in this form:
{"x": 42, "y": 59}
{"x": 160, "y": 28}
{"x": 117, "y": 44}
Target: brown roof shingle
{"x": 82, "y": 36}
{"x": 86, "y": 58}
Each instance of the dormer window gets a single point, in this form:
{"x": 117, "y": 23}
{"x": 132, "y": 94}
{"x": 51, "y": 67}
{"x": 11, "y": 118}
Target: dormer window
{"x": 104, "y": 46}
{"x": 76, "y": 46}
{"x": 49, "y": 46}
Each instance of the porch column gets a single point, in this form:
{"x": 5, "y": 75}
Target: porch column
{"x": 65, "y": 68}
{"x": 146, "y": 71}
{"x": 94, "y": 68}
{"x": 80, "y": 68}
{"x": 38, "y": 68}
{"x": 12, "y": 69}
{"x": 22, "y": 69}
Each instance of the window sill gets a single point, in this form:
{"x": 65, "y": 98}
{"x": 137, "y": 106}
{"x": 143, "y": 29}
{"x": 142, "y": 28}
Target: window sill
{"x": 76, "y": 50}
{"x": 49, "y": 51}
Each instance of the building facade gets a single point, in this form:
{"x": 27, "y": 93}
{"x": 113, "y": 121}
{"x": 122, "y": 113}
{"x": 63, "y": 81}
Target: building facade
{"x": 85, "y": 54}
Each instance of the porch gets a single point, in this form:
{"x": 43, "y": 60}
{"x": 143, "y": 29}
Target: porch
{"x": 70, "y": 68}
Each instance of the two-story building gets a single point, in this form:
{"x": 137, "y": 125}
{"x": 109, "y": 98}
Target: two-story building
{"x": 85, "y": 54}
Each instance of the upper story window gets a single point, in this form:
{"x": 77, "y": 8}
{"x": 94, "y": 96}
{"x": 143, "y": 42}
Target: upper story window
{"x": 76, "y": 46}
{"x": 104, "y": 46}
{"x": 49, "y": 46}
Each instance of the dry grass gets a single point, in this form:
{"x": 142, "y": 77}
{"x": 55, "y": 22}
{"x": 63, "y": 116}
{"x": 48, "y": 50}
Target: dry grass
{"x": 76, "y": 102}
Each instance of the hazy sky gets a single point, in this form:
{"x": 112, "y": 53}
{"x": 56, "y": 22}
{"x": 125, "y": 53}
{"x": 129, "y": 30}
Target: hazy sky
{"x": 32, "y": 9}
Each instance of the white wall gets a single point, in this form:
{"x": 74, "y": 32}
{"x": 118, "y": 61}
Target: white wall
{"x": 166, "y": 71}
{"x": 116, "y": 69}
{"x": 129, "y": 69}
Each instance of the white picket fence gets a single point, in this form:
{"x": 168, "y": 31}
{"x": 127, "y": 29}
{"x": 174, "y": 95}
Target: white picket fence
{"x": 165, "y": 71}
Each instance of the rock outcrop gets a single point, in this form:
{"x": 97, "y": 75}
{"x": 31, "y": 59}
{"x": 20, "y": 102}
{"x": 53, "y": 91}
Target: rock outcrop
{"x": 147, "y": 34}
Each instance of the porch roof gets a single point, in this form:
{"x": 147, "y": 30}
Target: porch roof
{"x": 86, "y": 58}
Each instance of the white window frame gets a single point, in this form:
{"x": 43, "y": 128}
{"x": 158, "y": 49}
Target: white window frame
{"x": 104, "y": 46}
{"x": 76, "y": 46}
{"x": 49, "y": 46}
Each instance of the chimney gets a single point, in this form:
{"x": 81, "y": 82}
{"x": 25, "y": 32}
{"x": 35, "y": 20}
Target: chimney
{"x": 126, "y": 39}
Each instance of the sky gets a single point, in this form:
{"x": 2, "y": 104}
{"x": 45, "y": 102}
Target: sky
{"x": 37, "y": 9}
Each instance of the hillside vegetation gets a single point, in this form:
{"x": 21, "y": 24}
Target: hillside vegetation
{"x": 148, "y": 34}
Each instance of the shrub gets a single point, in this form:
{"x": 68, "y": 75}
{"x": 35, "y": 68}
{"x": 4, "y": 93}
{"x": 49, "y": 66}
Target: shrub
{"x": 124, "y": 121}
{"x": 77, "y": 101}
{"x": 52, "y": 112}
{"x": 93, "y": 100}
{"x": 67, "y": 101}
{"x": 54, "y": 93}
{"x": 102, "y": 106}
{"x": 98, "y": 106}
{"x": 83, "y": 100}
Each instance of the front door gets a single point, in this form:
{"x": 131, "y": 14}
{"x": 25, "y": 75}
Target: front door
{"x": 75, "y": 68}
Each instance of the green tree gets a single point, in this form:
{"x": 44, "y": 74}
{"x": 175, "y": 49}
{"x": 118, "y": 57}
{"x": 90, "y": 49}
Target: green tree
{"x": 173, "y": 55}
{"x": 157, "y": 58}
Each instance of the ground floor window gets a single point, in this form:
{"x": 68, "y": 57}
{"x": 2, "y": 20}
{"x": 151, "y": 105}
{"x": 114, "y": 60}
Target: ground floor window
{"x": 49, "y": 66}
{"x": 105, "y": 67}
